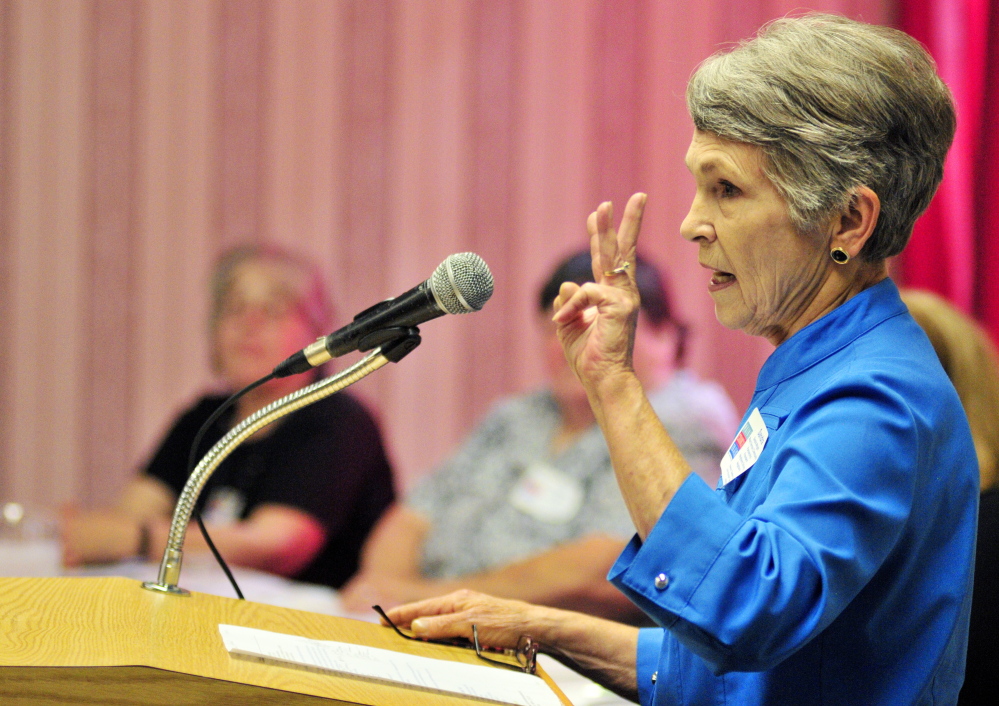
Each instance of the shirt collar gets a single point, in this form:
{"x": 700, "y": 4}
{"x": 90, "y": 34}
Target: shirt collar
{"x": 835, "y": 330}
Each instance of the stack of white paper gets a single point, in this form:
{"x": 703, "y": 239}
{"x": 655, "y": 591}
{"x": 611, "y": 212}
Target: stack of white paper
{"x": 494, "y": 684}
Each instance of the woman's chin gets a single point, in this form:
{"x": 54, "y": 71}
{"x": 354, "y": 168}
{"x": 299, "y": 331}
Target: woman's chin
{"x": 730, "y": 318}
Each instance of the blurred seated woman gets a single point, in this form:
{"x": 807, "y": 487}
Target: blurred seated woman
{"x": 970, "y": 361}
{"x": 300, "y": 496}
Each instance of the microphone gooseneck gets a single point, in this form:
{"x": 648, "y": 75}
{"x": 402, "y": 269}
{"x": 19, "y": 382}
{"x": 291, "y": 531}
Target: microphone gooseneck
{"x": 461, "y": 284}
{"x": 169, "y": 573}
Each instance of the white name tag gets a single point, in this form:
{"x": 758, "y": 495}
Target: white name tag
{"x": 746, "y": 448}
{"x": 547, "y": 494}
{"x": 224, "y": 506}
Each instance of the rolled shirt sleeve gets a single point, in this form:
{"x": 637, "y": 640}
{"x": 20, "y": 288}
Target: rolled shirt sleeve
{"x": 745, "y": 589}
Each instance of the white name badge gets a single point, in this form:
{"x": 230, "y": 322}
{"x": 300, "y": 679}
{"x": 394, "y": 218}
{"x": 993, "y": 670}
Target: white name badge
{"x": 224, "y": 506}
{"x": 746, "y": 448}
{"x": 547, "y": 494}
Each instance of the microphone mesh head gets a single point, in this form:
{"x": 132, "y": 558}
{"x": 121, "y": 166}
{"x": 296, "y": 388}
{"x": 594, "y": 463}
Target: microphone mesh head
{"x": 462, "y": 283}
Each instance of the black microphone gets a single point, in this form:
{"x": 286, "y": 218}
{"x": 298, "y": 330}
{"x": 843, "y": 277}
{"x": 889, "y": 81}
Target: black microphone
{"x": 460, "y": 284}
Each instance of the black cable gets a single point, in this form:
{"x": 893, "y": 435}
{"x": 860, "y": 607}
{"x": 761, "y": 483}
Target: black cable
{"x": 192, "y": 459}
{"x": 218, "y": 557}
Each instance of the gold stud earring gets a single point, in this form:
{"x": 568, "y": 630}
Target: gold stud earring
{"x": 839, "y": 256}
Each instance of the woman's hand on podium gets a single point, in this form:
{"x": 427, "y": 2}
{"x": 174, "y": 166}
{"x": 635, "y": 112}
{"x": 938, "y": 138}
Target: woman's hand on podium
{"x": 500, "y": 622}
{"x": 598, "y": 648}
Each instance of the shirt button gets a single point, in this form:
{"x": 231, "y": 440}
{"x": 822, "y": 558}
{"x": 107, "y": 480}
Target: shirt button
{"x": 655, "y": 675}
{"x": 662, "y": 581}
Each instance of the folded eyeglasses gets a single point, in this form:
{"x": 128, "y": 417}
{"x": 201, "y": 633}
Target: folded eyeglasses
{"x": 526, "y": 652}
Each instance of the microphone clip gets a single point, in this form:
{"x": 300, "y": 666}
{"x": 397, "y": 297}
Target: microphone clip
{"x": 396, "y": 342}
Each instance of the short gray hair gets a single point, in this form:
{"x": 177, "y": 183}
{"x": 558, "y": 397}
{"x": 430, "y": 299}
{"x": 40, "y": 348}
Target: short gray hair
{"x": 834, "y": 104}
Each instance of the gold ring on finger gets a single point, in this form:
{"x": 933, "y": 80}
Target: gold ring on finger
{"x": 617, "y": 270}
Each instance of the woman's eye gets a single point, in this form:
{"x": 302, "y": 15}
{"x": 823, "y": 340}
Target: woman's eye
{"x": 727, "y": 189}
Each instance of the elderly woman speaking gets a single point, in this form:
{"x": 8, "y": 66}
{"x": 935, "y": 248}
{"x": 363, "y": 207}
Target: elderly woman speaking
{"x": 833, "y": 563}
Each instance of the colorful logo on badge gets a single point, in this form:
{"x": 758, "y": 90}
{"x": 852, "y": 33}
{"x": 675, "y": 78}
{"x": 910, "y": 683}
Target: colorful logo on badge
{"x": 740, "y": 440}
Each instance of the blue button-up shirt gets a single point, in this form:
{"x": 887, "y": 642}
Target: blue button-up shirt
{"x": 837, "y": 569}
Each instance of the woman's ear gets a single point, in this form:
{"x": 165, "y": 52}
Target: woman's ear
{"x": 856, "y": 223}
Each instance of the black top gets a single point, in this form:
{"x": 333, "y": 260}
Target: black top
{"x": 981, "y": 683}
{"x": 326, "y": 459}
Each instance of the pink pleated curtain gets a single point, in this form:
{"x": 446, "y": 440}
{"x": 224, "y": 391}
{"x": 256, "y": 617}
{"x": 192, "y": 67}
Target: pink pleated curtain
{"x": 139, "y": 139}
{"x": 955, "y": 246}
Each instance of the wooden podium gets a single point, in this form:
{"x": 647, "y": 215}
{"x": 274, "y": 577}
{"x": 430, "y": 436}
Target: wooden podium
{"x": 109, "y": 641}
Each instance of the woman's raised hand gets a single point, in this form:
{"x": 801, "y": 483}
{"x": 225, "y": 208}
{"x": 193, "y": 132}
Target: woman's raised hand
{"x": 596, "y": 321}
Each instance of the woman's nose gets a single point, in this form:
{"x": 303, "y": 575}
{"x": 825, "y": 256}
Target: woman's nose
{"x": 696, "y": 225}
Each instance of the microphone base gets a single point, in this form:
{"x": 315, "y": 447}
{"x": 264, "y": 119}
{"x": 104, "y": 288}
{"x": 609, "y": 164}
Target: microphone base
{"x": 165, "y": 588}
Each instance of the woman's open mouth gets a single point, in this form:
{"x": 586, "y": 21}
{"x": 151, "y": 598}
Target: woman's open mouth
{"x": 720, "y": 280}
